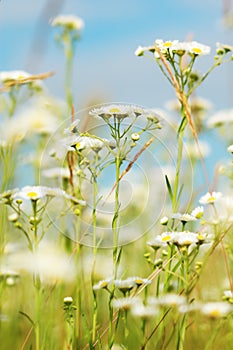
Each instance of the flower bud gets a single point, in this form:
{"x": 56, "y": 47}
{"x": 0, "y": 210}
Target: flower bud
{"x": 135, "y": 136}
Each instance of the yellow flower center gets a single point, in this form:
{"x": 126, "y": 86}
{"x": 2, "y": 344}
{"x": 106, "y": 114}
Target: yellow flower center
{"x": 167, "y": 44}
{"x": 114, "y": 110}
{"x": 166, "y": 238}
{"x": 197, "y": 50}
{"x": 211, "y": 199}
{"x": 200, "y": 237}
{"x": 215, "y": 313}
{"x": 104, "y": 284}
{"x": 138, "y": 281}
{"x": 32, "y": 194}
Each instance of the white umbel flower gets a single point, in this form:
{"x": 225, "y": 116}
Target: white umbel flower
{"x": 70, "y": 22}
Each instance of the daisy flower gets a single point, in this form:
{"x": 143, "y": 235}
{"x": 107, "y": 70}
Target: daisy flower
{"x": 216, "y": 309}
{"x": 230, "y": 149}
{"x": 220, "y": 118}
{"x": 184, "y": 217}
{"x": 118, "y": 111}
{"x": 210, "y": 197}
{"x": 103, "y": 284}
{"x": 185, "y": 238}
{"x": 69, "y": 22}
{"x": 198, "y": 212}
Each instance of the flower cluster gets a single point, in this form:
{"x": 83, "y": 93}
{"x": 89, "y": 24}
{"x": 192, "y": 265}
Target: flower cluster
{"x": 174, "y": 47}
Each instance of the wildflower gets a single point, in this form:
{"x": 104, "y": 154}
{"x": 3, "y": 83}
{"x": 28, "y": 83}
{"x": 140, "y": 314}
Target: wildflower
{"x": 73, "y": 128}
{"x": 32, "y": 192}
{"x": 196, "y": 103}
{"x": 141, "y": 281}
{"x": 10, "y": 277}
{"x": 51, "y": 264}
{"x": 69, "y": 22}
{"x": 216, "y": 309}
{"x": 87, "y": 142}
{"x": 220, "y": 118}
{"x": 184, "y": 217}
{"x": 210, "y": 197}
{"x": 37, "y": 192}
{"x": 124, "y": 303}
{"x": 125, "y": 285}
{"x": 117, "y": 111}
{"x": 185, "y": 238}
{"x": 161, "y": 240}
{"x": 223, "y": 48}
{"x": 13, "y": 217}
{"x": 198, "y": 49}
{"x": 142, "y": 49}
{"x": 56, "y": 173}
{"x": 228, "y": 295}
{"x": 135, "y": 136}
{"x": 68, "y": 300}
{"x": 7, "y": 195}
{"x": 169, "y": 299}
{"x": 178, "y": 47}
{"x": 194, "y": 150}
{"x": 230, "y": 149}
{"x": 198, "y": 212}
{"x": 138, "y": 309}
{"x": 164, "y": 220}
{"x": 15, "y": 75}
{"x": 103, "y": 284}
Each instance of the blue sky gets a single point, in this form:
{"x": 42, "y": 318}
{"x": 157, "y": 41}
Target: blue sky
{"x": 105, "y": 65}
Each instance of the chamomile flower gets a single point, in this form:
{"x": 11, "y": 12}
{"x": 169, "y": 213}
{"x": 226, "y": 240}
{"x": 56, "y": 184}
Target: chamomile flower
{"x": 141, "y": 281}
{"x": 223, "y": 48}
{"x": 228, "y": 295}
{"x": 198, "y": 49}
{"x": 216, "y": 309}
{"x": 124, "y": 303}
{"x": 9, "y": 76}
{"x": 57, "y": 172}
{"x": 117, "y": 111}
{"x": 69, "y": 22}
{"x": 35, "y": 193}
{"x": 185, "y": 238}
{"x": 230, "y": 149}
{"x": 161, "y": 240}
{"x": 210, "y": 197}
{"x": 138, "y": 309}
{"x": 103, "y": 284}
{"x": 140, "y": 51}
{"x": 184, "y": 217}
{"x": 170, "y": 299}
{"x": 32, "y": 192}
{"x": 220, "y": 118}
{"x": 19, "y": 77}
{"x": 125, "y": 285}
{"x": 68, "y": 301}
{"x": 73, "y": 128}
{"x": 164, "y": 220}
{"x": 198, "y": 212}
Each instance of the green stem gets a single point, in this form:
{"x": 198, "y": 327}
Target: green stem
{"x": 68, "y": 78}
{"x": 180, "y": 136}
{"x": 94, "y": 220}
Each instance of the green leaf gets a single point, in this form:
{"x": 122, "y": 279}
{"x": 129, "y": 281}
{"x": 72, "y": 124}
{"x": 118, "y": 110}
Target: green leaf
{"x": 169, "y": 188}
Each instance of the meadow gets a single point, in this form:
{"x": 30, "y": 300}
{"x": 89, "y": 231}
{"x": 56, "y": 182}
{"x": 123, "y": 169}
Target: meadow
{"x": 120, "y": 239}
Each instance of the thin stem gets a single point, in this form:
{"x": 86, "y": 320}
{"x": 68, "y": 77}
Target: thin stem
{"x": 175, "y": 201}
